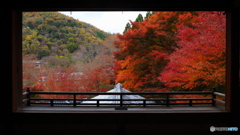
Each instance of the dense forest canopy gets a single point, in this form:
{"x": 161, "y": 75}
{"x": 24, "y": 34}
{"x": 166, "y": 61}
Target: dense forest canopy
{"x": 163, "y": 51}
{"x": 52, "y": 33}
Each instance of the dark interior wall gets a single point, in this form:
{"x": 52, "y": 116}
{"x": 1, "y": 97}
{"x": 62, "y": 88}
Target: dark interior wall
{"x": 111, "y": 124}
{"x": 119, "y": 124}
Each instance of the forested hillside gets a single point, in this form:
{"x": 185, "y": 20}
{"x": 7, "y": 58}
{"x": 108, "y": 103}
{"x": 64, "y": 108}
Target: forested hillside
{"x": 64, "y": 54}
{"x": 55, "y": 34}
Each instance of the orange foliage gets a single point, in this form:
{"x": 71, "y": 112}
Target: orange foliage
{"x": 143, "y": 49}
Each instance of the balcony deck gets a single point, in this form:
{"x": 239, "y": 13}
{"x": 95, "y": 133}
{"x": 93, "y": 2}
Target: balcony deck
{"x": 160, "y": 109}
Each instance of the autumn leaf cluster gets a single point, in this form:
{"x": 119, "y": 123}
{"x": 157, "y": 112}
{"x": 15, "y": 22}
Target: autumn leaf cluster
{"x": 177, "y": 50}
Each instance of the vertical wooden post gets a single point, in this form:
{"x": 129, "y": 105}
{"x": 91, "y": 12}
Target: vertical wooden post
{"x": 190, "y": 102}
{"x": 213, "y": 96}
{"x": 121, "y": 100}
{"x": 97, "y": 103}
{"x": 121, "y": 103}
{"x": 74, "y": 100}
{"x": 28, "y": 97}
{"x": 144, "y": 103}
{"x": 51, "y": 102}
{"x": 167, "y": 100}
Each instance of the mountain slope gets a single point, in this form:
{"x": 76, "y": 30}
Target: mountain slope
{"x": 54, "y": 34}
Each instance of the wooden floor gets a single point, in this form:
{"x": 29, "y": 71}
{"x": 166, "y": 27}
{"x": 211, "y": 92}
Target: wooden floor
{"x": 160, "y": 109}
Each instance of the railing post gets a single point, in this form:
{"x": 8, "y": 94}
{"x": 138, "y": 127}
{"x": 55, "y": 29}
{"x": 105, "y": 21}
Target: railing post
{"x": 74, "y": 100}
{"x": 213, "y": 96}
{"x": 121, "y": 103}
{"x": 190, "y": 102}
{"x": 144, "y": 103}
{"x": 97, "y": 103}
{"x": 51, "y": 102}
{"x": 167, "y": 100}
{"x": 28, "y": 97}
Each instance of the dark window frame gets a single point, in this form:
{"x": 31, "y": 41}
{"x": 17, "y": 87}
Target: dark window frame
{"x": 232, "y": 101}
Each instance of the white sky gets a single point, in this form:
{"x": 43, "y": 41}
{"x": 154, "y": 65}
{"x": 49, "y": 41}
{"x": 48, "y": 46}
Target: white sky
{"x": 108, "y": 21}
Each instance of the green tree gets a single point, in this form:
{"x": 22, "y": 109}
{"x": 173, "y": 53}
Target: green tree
{"x": 127, "y": 27}
{"x": 139, "y": 18}
{"x": 148, "y": 14}
{"x": 43, "y": 51}
{"x": 72, "y": 47}
{"x": 49, "y": 21}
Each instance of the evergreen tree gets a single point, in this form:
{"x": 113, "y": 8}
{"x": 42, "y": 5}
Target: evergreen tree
{"x": 127, "y": 27}
{"x": 139, "y": 18}
{"x": 148, "y": 14}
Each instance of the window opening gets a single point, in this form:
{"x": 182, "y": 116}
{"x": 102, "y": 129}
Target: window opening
{"x": 160, "y": 57}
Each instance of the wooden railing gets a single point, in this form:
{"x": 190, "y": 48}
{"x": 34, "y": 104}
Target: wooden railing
{"x": 166, "y": 101}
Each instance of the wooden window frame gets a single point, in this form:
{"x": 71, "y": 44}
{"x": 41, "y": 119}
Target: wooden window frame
{"x": 232, "y": 49}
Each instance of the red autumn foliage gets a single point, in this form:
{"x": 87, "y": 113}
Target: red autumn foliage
{"x": 142, "y": 51}
{"x": 145, "y": 48}
{"x": 199, "y": 59}
{"x": 93, "y": 77}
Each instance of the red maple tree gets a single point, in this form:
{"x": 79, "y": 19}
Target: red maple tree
{"x": 199, "y": 59}
{"x": 143, "y": 49}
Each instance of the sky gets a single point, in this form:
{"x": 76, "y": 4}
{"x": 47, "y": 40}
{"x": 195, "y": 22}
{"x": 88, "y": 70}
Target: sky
{"x": 108, "y": 21}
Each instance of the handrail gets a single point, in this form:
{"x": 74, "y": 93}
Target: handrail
{"x": 163, "y": 101}
{"x": 219, "y": 94}
{"x": 25, "y": 93}
{"x": 223, "y": 102}
{"x": 119, "y": 93}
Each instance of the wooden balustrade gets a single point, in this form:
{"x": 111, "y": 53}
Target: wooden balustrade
{"x": 165, "y": 99}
